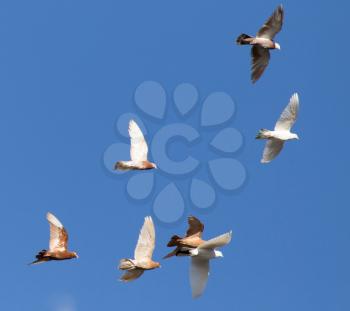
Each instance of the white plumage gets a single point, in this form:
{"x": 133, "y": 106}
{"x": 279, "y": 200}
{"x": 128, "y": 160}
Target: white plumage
{"x": 200, "y": 256}
{"x": 281, "y": 132}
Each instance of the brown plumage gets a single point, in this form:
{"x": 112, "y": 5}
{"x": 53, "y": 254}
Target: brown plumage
{"x": 143, "y": 254}
{"x": 58, "y": 243}
{"x": 263, "y": 42}
{"x": 192, "y": 239}
{"x": 138, "y": 151}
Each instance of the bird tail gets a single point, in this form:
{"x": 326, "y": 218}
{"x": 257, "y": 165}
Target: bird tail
{"x": 263, "y": 134}
{"x": 179, "y": 252}
{"x": 126, "y": 264}
{"x": 123, "y": 166}
{"x": 173, "y": 241}
{"x": 40, "y": 257}
{"x": 243, "y": 39}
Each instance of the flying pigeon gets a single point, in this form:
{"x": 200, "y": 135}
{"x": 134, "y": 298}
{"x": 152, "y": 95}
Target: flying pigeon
{"x": 200, "y": 257}
{"x": 281, "y": 133}
{"x": 138, "y": 151}
{"x": 58, "y": 243}
{"x": 192, "y": 239}
{"x": 263, "y": 42}
{"x": 143, "y": 254}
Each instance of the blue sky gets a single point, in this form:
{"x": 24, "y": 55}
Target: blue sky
{"x": 68, "y": 69}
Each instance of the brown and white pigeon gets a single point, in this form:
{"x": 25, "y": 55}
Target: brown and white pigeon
{"x": 263, "y": 42}
{"x": 58, "y": 243}
{"x": 143, "y": 254}
{"x": 192, "y": 239}
{"x": 138, "y": 151}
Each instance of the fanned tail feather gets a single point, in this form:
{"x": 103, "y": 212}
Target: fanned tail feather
{"x": 262, "y": 134}
{"x": 242, "y": 39}
{"x": 178, "y": 252}
{"x": 126, "y": 264}
{"x": 40, "y": 258}
{"x": 122, "y": 166}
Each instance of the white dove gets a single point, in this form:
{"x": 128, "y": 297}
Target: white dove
{"x": 138, "y": 151}
{"x": 200, "y": 256}
{"x": 134, "y": 268}
{"x": 281, "y": 133}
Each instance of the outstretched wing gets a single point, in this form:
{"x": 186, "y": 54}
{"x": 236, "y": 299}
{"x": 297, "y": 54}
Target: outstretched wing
{"x": 289, "y": 114}
{"x": 131, "y": 275}
{"x": 273, "y": 25}
{"x": 58, "y": 234}
{"x": 146, "y": 242}
{"x": 260, "y": 60}
{"x": 272, "y": 148}
{"x": 219, "y": 241}
{"x": 138, "y": 144}
{"x": 195, "y": 227}
{"x": 199, "y": 273}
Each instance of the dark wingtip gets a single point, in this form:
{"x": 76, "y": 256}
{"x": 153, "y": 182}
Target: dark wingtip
{"x": 167, "y": 256}
{"x": 33, "y": 262}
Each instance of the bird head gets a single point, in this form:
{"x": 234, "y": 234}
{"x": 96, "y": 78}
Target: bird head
{"x": 154, "y": 165}
{"x": 295, "y": 136}
{"x": 75, "y": 255}
{"x": 157, "y": 265}
{"x": 277, "y": 46}
{"x": 218, "y": 254}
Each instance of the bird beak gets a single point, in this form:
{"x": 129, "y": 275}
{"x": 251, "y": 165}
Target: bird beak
{"x": 277, "y": 46}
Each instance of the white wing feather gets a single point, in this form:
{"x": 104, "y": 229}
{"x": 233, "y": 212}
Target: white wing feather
{"x": 53, "y": 220}
{"x": 58, "y": 235}
{"x": 199, "y": 272}
{"x": 289, "y": 114}
{"x": 146, "y": 242}
{"x": 272, "y": 148}
{"x": 138, "y": 144}
{"x": 219, "y": 241}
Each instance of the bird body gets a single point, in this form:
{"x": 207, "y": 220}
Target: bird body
{"x": 192, "y": 239}
{"x": 138, "y": 151}
{"x": 266, "y": 43}
{"x": 263, "y": 42}
{"x": 281, "y": 135}
{"x": 58, "y": 243}
{"x": 281, "y": 132}
{"x": 205, "y": 253}
{"x": 143, "y": 254}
